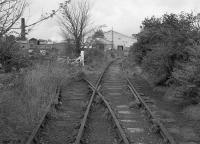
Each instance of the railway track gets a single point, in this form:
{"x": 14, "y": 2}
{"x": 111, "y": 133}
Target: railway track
{"x": 112, "y": 113}
{"x": 61, "y": 123}
{"x": 134, "y": 113}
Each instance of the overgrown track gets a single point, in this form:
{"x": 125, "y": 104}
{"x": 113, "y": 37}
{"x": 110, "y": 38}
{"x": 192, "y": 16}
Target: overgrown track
{"x": 113, "y": 112}
{"x": 32, "y": 138}
{"x": 100, "y": 125}
{"x": 158, "y": 126}
{"x": 65, "y": 122}
{"x": 62, "y": 122}
{"x": 146, "y": 105}
{"x": 132, "y": 115}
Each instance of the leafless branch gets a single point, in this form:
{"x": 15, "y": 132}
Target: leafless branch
{"x": 75, "y": 21}
{"x": 10, "y": 13}
{"x": 44, "y": 18}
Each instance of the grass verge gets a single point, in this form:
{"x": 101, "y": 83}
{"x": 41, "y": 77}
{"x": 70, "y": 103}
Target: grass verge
{"x": 32, "y": 91}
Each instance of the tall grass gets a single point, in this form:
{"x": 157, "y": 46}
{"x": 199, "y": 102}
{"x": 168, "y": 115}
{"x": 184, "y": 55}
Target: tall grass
{"x": 22, "y": 106}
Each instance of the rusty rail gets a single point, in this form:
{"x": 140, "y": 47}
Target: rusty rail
{"x": 83, "y": 123}
{"x": 163, "y": 131}
{"x": 35, "y": 131}
{"x": 41, "y": 121}
{"x": 81, "y": 129}
{"x": 121, "y": 131}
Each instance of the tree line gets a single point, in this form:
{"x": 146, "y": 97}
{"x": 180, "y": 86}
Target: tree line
{"x": 168, "y": 49}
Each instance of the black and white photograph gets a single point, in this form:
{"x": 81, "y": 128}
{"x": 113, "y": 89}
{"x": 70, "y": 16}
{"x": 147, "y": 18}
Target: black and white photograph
{"x": 99, "y": 72}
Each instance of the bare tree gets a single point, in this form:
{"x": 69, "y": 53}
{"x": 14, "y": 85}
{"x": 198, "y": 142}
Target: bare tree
{"x": 75, "y": 21}
{"x": 10, "y": 12}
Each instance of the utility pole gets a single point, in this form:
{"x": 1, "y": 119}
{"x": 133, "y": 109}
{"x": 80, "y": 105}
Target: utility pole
{"x": 23, "y": 30}
{"x": 112, "y": 39}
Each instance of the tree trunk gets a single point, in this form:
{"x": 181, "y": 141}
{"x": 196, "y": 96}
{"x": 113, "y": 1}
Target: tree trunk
{"x": 78, "y": 48}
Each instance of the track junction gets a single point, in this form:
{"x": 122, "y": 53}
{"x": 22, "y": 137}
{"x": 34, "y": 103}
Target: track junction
{"x": 109, "y": 112}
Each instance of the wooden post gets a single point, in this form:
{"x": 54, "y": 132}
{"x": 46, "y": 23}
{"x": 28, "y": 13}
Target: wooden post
{"x": 112, "y": 39}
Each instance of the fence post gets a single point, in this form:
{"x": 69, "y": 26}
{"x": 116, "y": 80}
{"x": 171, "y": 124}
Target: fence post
{"x": 82, "y": 58}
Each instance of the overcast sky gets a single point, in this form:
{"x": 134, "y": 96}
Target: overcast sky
{"x": 125, "y": 16}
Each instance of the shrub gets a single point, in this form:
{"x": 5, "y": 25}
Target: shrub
{"x": 11, "y": 55}
{"x": 187, "y": 76}
{"x": 163, "y": 42}
{"x": 95, "y": 57}
{"x": 168, "y": 50}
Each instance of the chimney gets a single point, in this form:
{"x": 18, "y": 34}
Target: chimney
{"x": 23, "y": 30}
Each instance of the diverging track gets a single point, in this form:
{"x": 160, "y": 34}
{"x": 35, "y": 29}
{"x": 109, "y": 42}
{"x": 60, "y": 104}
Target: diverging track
{"x": 112, "y": 113}
{"x": 134, "y": 121}
{"x": 132, "y": 117}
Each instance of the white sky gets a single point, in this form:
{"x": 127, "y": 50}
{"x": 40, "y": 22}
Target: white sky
{"x": 124, "y": 16}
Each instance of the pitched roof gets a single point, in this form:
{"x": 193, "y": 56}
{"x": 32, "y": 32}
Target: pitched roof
{"x": 103, "y": 40}
{"x": 118, "y": 33}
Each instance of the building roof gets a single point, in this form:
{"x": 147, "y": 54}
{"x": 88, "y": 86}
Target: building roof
{"x": 110, "y": 31}
{"x": 103, "y": 41}
{"x": 33, "y": 39}
{"x": 99, "y": 40}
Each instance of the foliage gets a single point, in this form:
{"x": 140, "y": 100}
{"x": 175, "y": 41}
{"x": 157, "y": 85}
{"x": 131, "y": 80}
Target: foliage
{"x": 98, "y": 34}
{"x": 162, "y": 43}
{"x": 187, "y": 76}
{"x": 96, "y": 40}
{"x": 95, "y": 58}
{"x": 168, "y": 49}
{"x": 11, "y": 55}
{"x": 92, "y": 54}
{"x": 69, "y": 48}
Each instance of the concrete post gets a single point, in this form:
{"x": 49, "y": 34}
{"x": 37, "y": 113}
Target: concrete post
{"x": 82, "y": 58}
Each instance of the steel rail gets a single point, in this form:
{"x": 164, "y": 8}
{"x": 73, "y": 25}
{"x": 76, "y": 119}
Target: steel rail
{"x": 81, "y": 129}
{"x": 121, "y": 131}
{"x": 163, "y": 131}
{"x": 84, "y": 120}
{"x": 41, "y": 121}
{"x": 35, "y": 131}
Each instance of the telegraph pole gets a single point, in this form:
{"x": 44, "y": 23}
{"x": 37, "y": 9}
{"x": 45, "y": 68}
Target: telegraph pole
{"x": 112, "y": 39}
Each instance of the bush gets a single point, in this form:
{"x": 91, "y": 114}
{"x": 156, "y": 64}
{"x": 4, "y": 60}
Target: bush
{"x": 95, "y": 58}
{"x": 187, "y": 76}
{"x": 11, "y": 55}
{"x": 163, "y": 42}
{"x": 167, "y": 49}
{"x": 156, "y": 65}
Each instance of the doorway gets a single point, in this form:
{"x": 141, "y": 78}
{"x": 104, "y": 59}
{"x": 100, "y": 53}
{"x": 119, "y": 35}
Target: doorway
{"x": 120, "y": 47}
